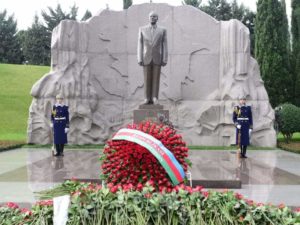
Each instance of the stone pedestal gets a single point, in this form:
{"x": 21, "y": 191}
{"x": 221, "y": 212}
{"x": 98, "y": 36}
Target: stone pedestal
{"x": 155, "y": 113}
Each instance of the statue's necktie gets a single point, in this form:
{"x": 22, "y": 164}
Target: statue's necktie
{"x": 152, "y": 32}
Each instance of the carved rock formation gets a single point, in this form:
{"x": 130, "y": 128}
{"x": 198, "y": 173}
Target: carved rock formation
{"x": 94, "y": 65}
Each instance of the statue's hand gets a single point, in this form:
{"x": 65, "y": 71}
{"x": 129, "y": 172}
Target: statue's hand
{"x": 163, "y": 64}
{"x": 140, "y": 63}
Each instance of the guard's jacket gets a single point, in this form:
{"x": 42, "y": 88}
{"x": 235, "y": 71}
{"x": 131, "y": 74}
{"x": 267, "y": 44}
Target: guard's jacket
{"x": 242, "y": 115}
{"x": 60, "y": 121}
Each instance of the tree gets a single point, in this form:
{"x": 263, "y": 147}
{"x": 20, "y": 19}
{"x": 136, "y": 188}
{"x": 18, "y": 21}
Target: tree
{"x": 52, "y": 19}
{"x": 247, "y": 17}
{"x": 271, "y": 50}
{"x": 295, "y": 30}
{"x": 55, "y": 16}
{"x": 219, "y": 9}
{"x": 195, "y": 3}
{"x": 127, "y": 4}
{"x": 237, "y": 11}
{"x": 10, "y": 48}
{"x": 86, "y": 15}
{"x": 35, "y": 46}
{"x": 222, "y": 10}
{"x": 21, "y": 35}
{"x": 286, "y": 45}
{"x": 287, "y": 118}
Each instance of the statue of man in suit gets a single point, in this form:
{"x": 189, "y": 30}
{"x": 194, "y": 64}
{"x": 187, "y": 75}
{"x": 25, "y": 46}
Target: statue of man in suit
{"x": 152, "y": 54}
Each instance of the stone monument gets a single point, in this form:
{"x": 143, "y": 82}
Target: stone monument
{"x": 152, "y": 54}
{"x": 94, "y": 66}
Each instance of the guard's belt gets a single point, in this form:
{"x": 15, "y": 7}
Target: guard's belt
{"x": 242, "y": 118}
{"x": 59, "y": 118}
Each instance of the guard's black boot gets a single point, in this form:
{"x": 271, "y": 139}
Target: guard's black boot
{"x": 62, "y": 149}
{"x": 57, "y": 147}
{"x": 244, "y": 152}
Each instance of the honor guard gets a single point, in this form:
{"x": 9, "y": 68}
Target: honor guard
{"x": 60, "y": 124}
{"x": 242, "y": 118}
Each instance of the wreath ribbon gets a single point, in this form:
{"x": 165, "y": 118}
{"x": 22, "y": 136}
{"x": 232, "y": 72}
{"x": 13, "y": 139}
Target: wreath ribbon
{"x": 156, "y": 148}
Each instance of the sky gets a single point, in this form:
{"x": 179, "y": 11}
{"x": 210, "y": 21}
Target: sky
{"x": 24, "y": 10}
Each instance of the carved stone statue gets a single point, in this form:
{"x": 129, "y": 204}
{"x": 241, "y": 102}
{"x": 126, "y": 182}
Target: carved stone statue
{"x": 94, "y": 66}
{"x": 152, "y": 54}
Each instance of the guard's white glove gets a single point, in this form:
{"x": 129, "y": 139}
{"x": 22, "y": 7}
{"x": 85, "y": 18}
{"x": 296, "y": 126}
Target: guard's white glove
{"x": 51, "y": 125}
{"x": 238, "y": 126}
{"x": 250, "y": 132}
{"x": 66, "y": 130}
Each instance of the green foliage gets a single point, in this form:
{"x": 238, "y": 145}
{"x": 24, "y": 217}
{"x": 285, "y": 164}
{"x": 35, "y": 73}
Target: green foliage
{"x": 295, "y": 30}
{"x": 272, "y": 50}
{"x": 11, "y": 214}
{"x": 92, "y": 204}
{"x": 15, "y": 85}
{"x": 127, "y": 4}
{"x": 296, "y": 136}
{"x": 54, "y": 16}
{"x": 219, "y": 9}
{"x": 36, "y": 48}
{"x": 10, "y": 49}
{"x": 195, "y": 3}
{"x": 247, "y": 17}
{"x": 86, "y": 15}
{"x": 223, "y": 10}
{"x": 288, "y": 120}
{"x": 51, "y": 19}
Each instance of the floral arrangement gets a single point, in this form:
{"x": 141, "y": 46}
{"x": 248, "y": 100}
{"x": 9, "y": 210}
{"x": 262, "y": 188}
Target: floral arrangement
{"x": 126, "y": 162}
{"x": 93, "y": 204}
{"x": 138, "y": 191}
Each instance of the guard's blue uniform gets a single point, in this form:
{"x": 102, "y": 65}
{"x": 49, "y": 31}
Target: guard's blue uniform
{"x": 242, "y": 115}
{"x": 60, "y": 121}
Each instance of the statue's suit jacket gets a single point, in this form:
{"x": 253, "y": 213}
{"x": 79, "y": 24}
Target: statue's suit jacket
{"x": 152, "y": 47}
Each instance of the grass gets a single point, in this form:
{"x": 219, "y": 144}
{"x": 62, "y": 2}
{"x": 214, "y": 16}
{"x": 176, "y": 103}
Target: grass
{"x": 16, "y": 82}
{"x": 296, "y": 137}
{"x": 15, "y": 85}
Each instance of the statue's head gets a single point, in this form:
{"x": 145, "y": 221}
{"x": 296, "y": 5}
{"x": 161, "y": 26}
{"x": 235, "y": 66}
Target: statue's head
{"x": 153, "y": 17}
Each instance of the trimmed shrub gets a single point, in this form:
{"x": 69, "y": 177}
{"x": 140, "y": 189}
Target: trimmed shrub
{"x": 288, "y": 120}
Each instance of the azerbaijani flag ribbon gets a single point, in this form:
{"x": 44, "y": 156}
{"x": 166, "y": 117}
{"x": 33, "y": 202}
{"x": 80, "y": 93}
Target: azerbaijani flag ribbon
{"x": 161, "y": 153}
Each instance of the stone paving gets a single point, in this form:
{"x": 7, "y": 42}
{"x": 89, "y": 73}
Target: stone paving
{"x": 268, "y": 176}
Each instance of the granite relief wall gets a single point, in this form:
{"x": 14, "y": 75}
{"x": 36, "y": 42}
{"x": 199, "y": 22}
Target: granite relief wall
{"x": 94, "y": 65}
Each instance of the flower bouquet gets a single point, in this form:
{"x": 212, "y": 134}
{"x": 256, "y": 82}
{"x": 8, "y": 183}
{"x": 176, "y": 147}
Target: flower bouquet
{"x": 145, "y": 152}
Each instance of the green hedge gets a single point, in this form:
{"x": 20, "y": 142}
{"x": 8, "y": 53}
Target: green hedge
{"x": 287, "y": 120}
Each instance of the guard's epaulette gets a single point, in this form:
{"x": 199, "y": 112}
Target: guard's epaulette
{"x": 236, "y": 109}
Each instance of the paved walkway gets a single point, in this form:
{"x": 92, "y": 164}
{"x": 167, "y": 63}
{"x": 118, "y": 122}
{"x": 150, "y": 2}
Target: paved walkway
{"x": 268, "y": 176}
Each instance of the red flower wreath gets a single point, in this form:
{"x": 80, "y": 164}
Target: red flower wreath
{"x": 125, "y": 162}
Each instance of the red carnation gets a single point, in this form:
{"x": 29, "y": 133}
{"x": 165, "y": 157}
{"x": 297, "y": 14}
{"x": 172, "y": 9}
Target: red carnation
{"x": 125, "y": 162}
{"x": 12, "y": 205}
